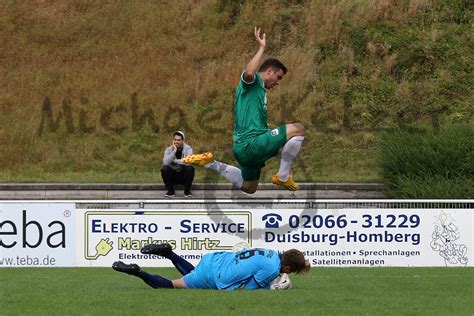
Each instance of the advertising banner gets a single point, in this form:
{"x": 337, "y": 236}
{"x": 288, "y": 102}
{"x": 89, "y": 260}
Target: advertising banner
{"x": 328, "y": 237}
{"x": 37, "y": 235}
{"x": 371, "y": 237}
{"x": 109, "y": 235}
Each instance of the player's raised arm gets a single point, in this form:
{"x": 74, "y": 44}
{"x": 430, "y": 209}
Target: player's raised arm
{"x": 254, "y": 63}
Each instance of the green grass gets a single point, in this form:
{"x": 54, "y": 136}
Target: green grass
{"x": 323, "y": 158}
{"x": 423, "y": 163}
{"x": 325, "y": 291}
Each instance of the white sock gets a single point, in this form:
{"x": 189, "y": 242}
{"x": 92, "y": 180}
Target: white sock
{"x": 229, "y": 172}
{"x": 288, "y": 154}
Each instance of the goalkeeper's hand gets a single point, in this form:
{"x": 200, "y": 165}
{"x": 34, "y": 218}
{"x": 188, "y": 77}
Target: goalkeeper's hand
{"x": 281, "y": 282}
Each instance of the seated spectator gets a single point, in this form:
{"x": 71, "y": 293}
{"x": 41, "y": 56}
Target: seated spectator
{"x": 173, "y": 171}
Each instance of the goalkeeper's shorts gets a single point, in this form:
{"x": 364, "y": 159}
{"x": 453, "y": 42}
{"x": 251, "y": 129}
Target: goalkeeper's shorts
{"x": 201, "y": 277}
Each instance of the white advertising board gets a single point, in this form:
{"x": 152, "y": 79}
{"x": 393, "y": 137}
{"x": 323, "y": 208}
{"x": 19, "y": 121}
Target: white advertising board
{"x": 372, "y": 237}
{"x": 105, "y": 236}
{"x": 329, "y": 238}
{"x": 37, "y": 235}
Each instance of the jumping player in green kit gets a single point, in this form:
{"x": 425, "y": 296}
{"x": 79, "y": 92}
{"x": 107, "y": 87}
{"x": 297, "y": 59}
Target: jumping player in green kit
{"x": 254, "y": 142}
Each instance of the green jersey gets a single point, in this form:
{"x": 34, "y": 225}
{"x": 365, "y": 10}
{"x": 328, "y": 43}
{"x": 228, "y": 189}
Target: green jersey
{"x": 254, "y": 143}
{"x": 250, "y": 109}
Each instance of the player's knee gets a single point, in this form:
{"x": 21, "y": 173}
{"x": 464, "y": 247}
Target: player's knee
{"x": 295, "y": 129}
{"x": 300, "y": 129}
{"x": 249, "y": 188}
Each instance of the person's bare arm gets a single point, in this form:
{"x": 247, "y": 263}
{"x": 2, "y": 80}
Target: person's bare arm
{"x": 253, "y": 65}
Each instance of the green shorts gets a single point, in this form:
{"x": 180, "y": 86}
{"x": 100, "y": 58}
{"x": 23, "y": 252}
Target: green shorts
{"x": 252, "y": 154}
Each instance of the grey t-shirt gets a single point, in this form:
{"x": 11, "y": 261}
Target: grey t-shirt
{"x": 170, "y": 159}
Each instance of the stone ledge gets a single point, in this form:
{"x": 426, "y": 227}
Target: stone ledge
{"x": 196, "y": 186}
{"x": 206, "y": 191}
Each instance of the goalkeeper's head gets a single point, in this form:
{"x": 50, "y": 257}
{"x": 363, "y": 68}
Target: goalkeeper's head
{"x": 294, "y": 261}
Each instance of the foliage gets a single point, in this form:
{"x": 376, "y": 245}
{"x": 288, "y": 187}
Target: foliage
{"x": 421, "y": 163}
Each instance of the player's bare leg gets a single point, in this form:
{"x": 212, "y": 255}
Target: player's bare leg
{"x": 294, "y": 129}
{"x": 249, "y": 186}
{"x": 179, "y": 284}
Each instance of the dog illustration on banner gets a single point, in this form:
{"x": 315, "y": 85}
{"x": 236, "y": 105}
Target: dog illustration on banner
{"x": 444, "y": 241}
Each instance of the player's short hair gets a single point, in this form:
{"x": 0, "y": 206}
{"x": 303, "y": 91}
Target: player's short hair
{"x": 295, "y": 260}
{"x": 178, "y": 133}
{"x": 273, "y": 63}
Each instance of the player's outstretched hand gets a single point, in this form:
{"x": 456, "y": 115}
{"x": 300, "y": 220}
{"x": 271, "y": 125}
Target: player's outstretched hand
{"x": 260, "y": 40}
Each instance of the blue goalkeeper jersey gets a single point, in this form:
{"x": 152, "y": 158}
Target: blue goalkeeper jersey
{"x": 247, "y": 269}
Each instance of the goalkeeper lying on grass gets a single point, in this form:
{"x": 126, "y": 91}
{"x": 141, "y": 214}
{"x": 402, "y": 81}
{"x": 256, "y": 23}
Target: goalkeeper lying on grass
{"x": 249, "y": 269}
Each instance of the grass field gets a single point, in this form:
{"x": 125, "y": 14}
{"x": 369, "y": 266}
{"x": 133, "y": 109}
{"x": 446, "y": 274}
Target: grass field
{"x": 325, "y": 291}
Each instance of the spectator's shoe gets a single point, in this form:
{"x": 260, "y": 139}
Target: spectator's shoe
{"x": 188, "y": 194}
{"x": 290, "y": 184}
{"x": 157, "y": 249}
{"x": 132, "y": 268}
{"x": 198, "y": 159}
{"x": 170, "y": 194}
